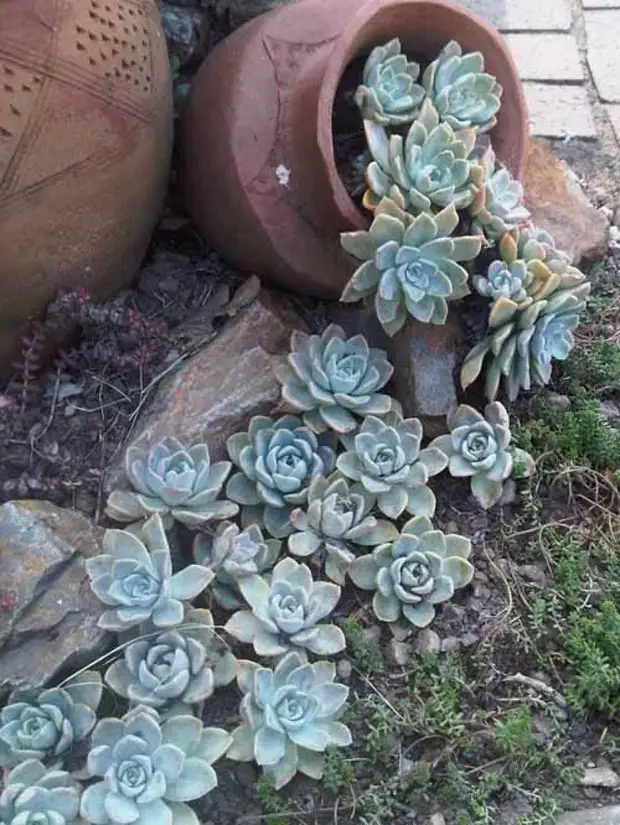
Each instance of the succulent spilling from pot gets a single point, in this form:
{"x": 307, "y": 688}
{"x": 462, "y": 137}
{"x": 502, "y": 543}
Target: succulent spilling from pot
{"x": 339, "y": 480}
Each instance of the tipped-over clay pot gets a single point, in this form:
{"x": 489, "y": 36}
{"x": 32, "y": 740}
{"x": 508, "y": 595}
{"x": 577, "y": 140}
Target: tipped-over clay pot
{"x": 85, "y": 140}
{"x": 259, "y": 166}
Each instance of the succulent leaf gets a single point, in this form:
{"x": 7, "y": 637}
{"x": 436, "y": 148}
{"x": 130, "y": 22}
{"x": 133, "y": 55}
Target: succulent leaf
{"x": 34, "y": 794}
{"x": 498, "y": 207}
{"x": 389, "y": 94}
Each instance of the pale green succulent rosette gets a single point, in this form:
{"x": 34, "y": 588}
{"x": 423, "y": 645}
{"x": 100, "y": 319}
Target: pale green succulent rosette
{"x": 278, "y": 459}
{"x": 289, "y": 717}
{"x": 286, "y": 613}
{"x": 233, "y": 554}
{"x": 172, "y": 481}
{"x": 429, "y": 169}
{"x": 411, "y": 265}
{"x": 35, "y": 795}
{"x": 412, "y": 575}
{"x": 478, "y": 448}
{"x": 498, "y": 206}
{"x": 133, "y": 576}
{"x": 333, "y": 380}
{"x": 149, "y": 769}
{"x": 504, "y": 280}
{"x": 464, "y": 95}
{"x": 45, "y": 725}
{"x": 389, "y": 94}
{"x": 337, "y": 519}
{"x": 385, "y": 457}
{"x": 181, "y": 665}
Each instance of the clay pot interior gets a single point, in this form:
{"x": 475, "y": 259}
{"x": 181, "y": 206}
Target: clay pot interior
{"x": 424, "y": 27}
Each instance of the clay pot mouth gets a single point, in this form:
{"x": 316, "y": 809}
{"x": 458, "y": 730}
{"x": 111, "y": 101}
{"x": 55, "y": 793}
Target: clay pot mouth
{"x": 424, "y": 28}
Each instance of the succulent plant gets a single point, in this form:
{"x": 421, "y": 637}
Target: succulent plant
{"x": 171, "y": 480}
{"x": 410, "y": 265}
{"x": 421, "y": 569}
{"x": 465, "y": 96}
{"x": 504, "y": 280}
{"x": 386, "y": 458}
{"x": 524, "y": 341}
{"x": 233, "y": 554}
{"x": 498, "y": 206}
{"x": 34, "y": 795}
{"x": 331, "y": 380}
{"x": 45, "y": 725}
{"x": 289, "y": 717}
{"x": 389, "y": 94}
{"x": 285, "y": 613}
{"x": 181, "y": 665}
{"x": 134, "y": 577}
{"x": 337, "y": 518}
{"x": 429, "y": 169}
{"x": 478, "y": 449}
{"x": 150, "y": 770}
{"x": 278, "y": 460}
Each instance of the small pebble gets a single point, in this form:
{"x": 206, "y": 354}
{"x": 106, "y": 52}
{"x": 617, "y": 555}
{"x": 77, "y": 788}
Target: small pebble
{"x": 561, "y": 403}
{"x": 401, "y": 631}
{"x": 602, "y": 777}
{"x": 450, "y": 643}
{"x": 427, "y": 641}
{"x": 533, "y": 573}
{"x": 437, "y": 819}
{"x": 398, "y": 653}
{"x": 344, "y": 669}
{"x": 371, "y": 634}
{"x": 469, "y": 639}
{"x": 509, "y": 494}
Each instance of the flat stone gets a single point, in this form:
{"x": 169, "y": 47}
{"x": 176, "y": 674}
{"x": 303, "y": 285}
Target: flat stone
{"x": 546, "y": 56}
{"x": 427, "y": 641}
{"x": 398, "y": 653}
{"x": 613, "y": 110}
{"x": 609, "y": 815}
{"x": 523, "y": 15}
{"x": 602, "y": 29}
{"x": 559, "y": 205}
{"x": 559, "y": 111}
{"x": 216, "y": 392}
{"x": 50, "y": 616}
{"x": 602, "y": 777}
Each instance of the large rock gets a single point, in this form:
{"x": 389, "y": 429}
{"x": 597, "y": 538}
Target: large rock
{"x": 48, "y": 614}
{"x": 609, "y": 815}
{"x": 559, "y": 205}
{"x": 216, "y": 392}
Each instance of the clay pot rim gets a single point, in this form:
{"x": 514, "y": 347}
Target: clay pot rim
{"x": 340, "y": 58}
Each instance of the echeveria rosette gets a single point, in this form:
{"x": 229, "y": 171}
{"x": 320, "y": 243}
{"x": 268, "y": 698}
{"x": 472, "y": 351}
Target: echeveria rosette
{"x": 333, "y": 380}
{"x": 411, "y": 266}
{"x": 35, "y": 795}
{"x": 232, "y": 554}
{"x": 385, "y": 457}
{"x": 498, "y": 206}
{"x": 504, "y": 281}
{"x": 425, "y": 171}
{"x": 464, "y": 95}
{"x": 289, "y": 717}
{"x": 478, "y": 448}
{"x": 172, "y": 481}
{"x": 149, "y": 769}
{"x": 336, "y": 520}
{"x": 421, "y": 569}
{"x": 389, "y": 94}
{"x": 133, "y": 576}
{"x": 45, "y": 725}
{"x": 286, "y": 613}
{"x": 182, "y": 665}
{"x": 278, "y": 459}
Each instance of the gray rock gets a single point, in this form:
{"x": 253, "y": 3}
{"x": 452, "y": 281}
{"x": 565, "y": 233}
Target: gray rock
{"x": 534, "y": 573}
{"x": 427, "y": 641}
{"x": 52, "y": 621}
{"x": 610, "y": 411}
{"x": 561, "y": 403}
{"x": 185, "y": 30}
{"x": 509, "y": 493}
{"x": 344, "y": 669}
{"x": 398, "y": 653}
{"x": 609, "y": 815}
{"x": 450, "y": 643}
{"x": 601, "y": 777}
{"x": 437, "y": 819}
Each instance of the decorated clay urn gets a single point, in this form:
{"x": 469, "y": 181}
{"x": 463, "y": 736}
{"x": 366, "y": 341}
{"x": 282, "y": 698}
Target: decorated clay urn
{"x": 85, "y": 141}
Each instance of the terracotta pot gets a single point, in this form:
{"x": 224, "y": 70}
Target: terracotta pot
{"x": 85, "y": 141}
{"x": 259, "y": 166}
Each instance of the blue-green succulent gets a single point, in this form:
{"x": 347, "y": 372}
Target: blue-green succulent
{"x": 35, "y": 795}
{"x": 389, "y": 94}
{"x": 498, "y": 206}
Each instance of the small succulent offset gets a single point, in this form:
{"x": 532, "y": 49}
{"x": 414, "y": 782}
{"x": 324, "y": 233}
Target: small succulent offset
{"x": 133, "y": 576}
{"x": 289, "y": 717}
{"x": 478, "y": 449}
{"x": 35, "y": 795}
{"x": 429, "y": 169}
{"x": 385, "y": 456}
{"x": 498, "y": 206}
{"x": 45, "y": 725}
{"x": 504, "y": 280}
{"x": 410, "y": 265}
{"x": 278, "y": 459}
{"x": 421, "y": 569}
{"x": 286, "y": 613}
{"x": 337, "y": 518}
{"x": 332, "y": 379}
{"x": 389, "y": 94}
{"x": 150, "y": 770}
{"x": 233, "y": 554}
{"x": 465, "y": 96}
{"x": 184, "y": 664}
{"x": 172, "y": 481}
